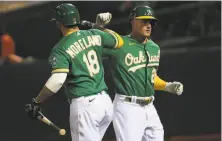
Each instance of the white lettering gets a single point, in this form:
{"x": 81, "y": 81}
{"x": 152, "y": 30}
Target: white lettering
{"x": 142, "y": 58}
{"x": 70, "y": 52}
{"x": 136, "y": 60}
{"x": 81, "y": 44}
{"x": 73, "y": 48}
{"x": 91, "y": 41}
{"x": 139, "y": 62}
{"x": 154, "y": 58}
{"x": 78, "y": 46}
{"x": 128, "y": 59}
{"x": 84, "y": 41}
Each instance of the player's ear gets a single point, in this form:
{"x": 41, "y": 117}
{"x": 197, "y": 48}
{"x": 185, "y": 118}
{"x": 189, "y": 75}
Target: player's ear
{"x": 58, "y": 25}
{"x": 132, "y": 22}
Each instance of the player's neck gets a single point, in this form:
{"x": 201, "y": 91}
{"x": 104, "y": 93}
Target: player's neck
{"x": 140, "y": 39}
{"x": 68, "y": 31}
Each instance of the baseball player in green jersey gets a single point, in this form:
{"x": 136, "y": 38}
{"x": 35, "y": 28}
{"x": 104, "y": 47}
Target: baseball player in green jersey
{"x": 76, "y": 62}
{"x": 134, "y": 71}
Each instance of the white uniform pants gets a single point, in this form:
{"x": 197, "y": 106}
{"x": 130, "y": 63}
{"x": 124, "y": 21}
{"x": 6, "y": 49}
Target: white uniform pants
{"x": 133, "y": 122}
{"x": 90, "y": 117}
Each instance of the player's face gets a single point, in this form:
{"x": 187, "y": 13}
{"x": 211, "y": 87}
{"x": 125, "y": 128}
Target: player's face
{"x": 142, "y": 27}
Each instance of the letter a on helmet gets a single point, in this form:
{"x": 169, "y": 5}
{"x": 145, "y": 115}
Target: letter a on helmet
{"x": 142, "y": 12}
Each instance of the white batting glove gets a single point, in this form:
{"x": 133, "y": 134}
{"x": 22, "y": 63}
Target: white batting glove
{"x": 103, "y": 18}
{"x": 174, "y": 88}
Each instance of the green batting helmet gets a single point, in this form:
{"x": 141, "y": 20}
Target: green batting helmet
{"x": 142, "y": 12}
{"x": 67, "y": 14}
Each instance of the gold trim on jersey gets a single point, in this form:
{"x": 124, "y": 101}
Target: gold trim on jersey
{"x": 60, "y": 70}
{"x": 118, "y": 38}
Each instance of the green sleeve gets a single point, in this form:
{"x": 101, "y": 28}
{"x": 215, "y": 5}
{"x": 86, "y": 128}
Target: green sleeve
{"x": 110, "y": 39}
{"x": 108, "y": 52}
{"x": 59, "y": 62}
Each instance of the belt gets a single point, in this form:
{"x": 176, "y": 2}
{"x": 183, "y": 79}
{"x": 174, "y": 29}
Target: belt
{"x": 140, "y": 100}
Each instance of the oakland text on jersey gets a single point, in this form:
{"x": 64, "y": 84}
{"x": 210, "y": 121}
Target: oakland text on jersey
{"x": 131, "y": 60}
{"x": 82, "y": 44}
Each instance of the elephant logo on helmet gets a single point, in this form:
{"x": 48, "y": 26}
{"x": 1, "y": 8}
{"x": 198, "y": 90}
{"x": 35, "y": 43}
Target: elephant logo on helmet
{"x": 149, "y": 12}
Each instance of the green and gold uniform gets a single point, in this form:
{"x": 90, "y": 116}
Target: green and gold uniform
{"x": 133, "y": 67}
{"x": 80, "y": 55}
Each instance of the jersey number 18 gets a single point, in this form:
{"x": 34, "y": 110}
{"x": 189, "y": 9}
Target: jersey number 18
{"x": 92, "y": 63}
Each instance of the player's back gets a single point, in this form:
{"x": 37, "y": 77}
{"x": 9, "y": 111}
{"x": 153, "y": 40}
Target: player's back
{"x": 83, "y": 51}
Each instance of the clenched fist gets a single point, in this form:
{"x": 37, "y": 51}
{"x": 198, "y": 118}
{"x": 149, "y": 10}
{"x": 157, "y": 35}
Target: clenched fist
{"x": 103, "y": 18}
{"x": 174, "y": 87}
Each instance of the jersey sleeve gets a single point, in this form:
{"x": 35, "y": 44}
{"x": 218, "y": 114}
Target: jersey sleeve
{"x": 108, "y": 52}
{"x": 110, "y": 39}
{"x": 59, "y": 61}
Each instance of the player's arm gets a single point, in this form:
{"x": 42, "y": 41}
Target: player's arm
{"x": 159, "y": 84}
{"x": 110, "y": 39}
{"x": 51, "y": 87}
{"x": 106, "y": 52}
{"x": 172, "y": 87}
{"x": 60, "y": 68}
{"x": 102, "y": 19}
{"x": 118, "y": 39}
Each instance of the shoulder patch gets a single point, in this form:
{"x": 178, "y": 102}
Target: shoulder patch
{"x": 53, "y": 61}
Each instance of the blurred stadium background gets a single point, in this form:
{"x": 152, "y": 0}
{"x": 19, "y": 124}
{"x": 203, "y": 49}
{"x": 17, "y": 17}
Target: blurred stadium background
{"x": 189, "y": 34}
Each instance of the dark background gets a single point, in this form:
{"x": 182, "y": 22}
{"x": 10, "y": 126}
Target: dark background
{"x": 189, "y": 35}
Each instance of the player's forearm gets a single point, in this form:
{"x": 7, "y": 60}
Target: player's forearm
{"x": 159, "y": 84}
{"x": 43, "y": 95}
{"x": 51, "y": 87}
{"x": 89, "y": 25}
{"x": 117, "y": 37}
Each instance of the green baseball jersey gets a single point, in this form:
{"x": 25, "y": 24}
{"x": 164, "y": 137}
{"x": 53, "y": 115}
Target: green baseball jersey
{"x": 80, "y": 55}
{"x": 133, "y": 67}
